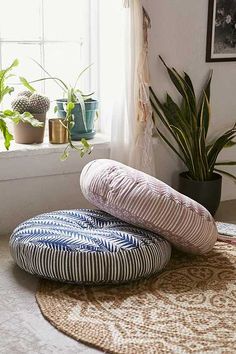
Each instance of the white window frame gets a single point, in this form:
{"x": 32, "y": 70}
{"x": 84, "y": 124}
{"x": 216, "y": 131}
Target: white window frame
{"x": 93, "y": 55}
{"x": 92, "y": 38}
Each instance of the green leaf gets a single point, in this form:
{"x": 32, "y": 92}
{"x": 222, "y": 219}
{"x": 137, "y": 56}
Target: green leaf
{"x": 55, "y": 109}
{"x": 230, "y": 175}
{"x": 8, "y": 112}
{"x": 6, "y": 134}
{"x": 64, "y": 156}
{"x": 81, "y": 73}
{"x": 226, "y": 163}
{"x": 70, "y": 106}
{"x": 85, "y": 143}
{"x": 204, "y": 114}
{"x": 14, "y": 64}
{"x": 230, "y": 144}
{"x": 26, "y": 118}
{"x": 219, "y": 145}
{"x": 27, "y": 84}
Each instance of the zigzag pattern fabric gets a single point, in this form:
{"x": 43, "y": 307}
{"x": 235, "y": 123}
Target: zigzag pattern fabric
{"x": 87, "y": 247}
{"x": 144, "y": 201}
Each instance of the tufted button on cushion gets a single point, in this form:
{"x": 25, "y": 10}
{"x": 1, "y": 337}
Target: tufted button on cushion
{"x": 142, "y": 200}
{"x": 87, "y": 247}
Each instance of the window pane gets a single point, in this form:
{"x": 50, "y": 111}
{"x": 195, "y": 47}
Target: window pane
{"x": 67, "y": 21}
{"x": 20, "y": 20}
{"x": 27, "y": 68}
{"x": 65, "y": 60}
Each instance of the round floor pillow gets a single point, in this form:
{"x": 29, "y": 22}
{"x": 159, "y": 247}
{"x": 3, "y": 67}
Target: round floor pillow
{"x": 143, "y": 200}
{"x": 87, "y": 247}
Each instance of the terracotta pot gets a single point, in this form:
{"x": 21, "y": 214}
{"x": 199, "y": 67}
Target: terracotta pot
{"x": 24, "y": 133}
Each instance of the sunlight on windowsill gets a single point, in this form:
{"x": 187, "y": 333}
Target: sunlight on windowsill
{"x": 100, "y": 140}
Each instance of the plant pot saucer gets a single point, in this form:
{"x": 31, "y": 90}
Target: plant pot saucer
{"x": 88, "y": 135}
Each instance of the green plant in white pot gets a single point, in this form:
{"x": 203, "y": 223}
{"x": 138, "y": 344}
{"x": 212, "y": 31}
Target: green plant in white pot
{"x": 188, "y": 125}
{"x": 13, "y": 115}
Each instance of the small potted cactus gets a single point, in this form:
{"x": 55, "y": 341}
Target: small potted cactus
{"x": 37, "y": 105}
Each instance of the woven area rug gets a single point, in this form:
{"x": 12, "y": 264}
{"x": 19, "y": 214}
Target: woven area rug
{"x": 188, "y": 308}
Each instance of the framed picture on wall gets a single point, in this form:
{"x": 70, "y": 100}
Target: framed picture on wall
{"x": 221, "y": 32}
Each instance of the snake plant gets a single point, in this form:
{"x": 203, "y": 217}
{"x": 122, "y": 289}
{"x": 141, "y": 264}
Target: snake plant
{"x": 188, "y": 125}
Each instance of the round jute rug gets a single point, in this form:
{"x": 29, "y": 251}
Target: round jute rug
{"x": 188, "y": 308}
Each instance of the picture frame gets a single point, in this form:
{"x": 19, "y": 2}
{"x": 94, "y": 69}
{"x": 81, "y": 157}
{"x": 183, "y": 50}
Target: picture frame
{"x": 221, "y": 31}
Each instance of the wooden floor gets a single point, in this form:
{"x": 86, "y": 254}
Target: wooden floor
{"x": 227, "y": 212}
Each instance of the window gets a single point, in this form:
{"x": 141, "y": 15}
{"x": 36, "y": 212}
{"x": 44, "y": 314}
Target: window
{"x": 58, "y": 35}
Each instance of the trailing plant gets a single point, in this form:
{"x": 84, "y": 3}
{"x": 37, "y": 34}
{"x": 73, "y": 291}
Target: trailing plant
{"x": 13, "y": 115}
{"x": 188, "y": 125}
{"x": 73, "y": 95}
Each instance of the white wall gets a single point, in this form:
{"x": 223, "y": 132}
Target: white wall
{"x": 34, "y": 182}
{"x": 178, "y": 33}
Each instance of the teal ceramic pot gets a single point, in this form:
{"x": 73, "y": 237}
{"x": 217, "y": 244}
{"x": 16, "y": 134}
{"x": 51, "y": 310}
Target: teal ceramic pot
{"x": 79, "y": 131}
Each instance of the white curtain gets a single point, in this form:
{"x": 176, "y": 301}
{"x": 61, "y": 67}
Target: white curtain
{"x": 125, "y": 107}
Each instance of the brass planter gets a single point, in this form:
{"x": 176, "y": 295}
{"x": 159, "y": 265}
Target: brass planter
{"x": 58, "y": 134}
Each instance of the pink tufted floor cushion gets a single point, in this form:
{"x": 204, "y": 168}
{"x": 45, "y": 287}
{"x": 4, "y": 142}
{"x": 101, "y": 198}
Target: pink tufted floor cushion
{"x": 144, "y": 201}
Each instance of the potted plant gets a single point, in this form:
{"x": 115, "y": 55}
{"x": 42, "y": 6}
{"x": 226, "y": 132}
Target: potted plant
{"x": 13, "y": 115}
{"x": 75, "y": 110}
{"x": 37, "y": 105}
{"x": 188, "y": 123}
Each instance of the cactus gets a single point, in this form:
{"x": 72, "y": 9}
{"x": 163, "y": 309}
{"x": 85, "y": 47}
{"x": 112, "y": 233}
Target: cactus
{"x": 21, "y": 104}
{"x": 25, "y": 93}
{"x": 39, "y": 103}
{"x": 27, "y": 101}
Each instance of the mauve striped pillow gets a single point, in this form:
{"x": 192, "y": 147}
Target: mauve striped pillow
{"x": 143, "y": 200}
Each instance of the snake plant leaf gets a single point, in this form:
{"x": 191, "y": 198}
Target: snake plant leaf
{"x": 204, "y": 104}
{"x": 230, "y": 144}
{"x": 218, "y": 146}
{"x": 230, "y": 175}
{"x": 185, "y": 87}
{"x": 175, "y": 79}
{"x": 189, "y": 93}
{"x": 167, "y": 124}
{"x": 169, "y": 144}
{"x": 204, "y": 114}
{"x": 155, "y": 105}
{"x": 226, "y": 163}
{"x": 6, "y": 134}
{"x": 188, "y": 125}
{"x": 189, "y": 83}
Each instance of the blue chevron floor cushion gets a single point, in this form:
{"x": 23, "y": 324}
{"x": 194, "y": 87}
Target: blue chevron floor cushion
{"x": 87, "y": 247}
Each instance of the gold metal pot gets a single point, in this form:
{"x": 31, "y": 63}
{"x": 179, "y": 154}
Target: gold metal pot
{"x": 58, "y": 134}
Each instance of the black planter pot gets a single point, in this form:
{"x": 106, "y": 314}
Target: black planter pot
{"x": 207, "y": 193}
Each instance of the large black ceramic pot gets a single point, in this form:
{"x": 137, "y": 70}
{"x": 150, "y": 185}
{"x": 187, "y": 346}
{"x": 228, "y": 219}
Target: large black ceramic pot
{"x": 207, "y": 193}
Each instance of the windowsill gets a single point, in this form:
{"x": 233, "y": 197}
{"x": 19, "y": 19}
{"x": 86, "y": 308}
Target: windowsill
{"x": 41, "y": 160}
{"x": 20, "y": 150}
